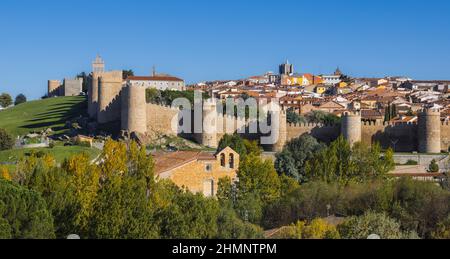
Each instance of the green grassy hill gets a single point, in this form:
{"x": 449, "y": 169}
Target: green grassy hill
{"x": 42, "y": 114}
{"x": 59, "y": 153}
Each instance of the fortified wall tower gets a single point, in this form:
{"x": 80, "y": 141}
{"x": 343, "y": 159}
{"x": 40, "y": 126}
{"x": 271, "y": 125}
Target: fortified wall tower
{"x": 351, "y": 127}
{"x": 429, "y": 131}
{"x": 282, "y": 133}
{"x": 109, "y": 102}
{"x": 210, "y": 125}
{"x": 98, "y": 68}
{"x": 134, "y": 109}
{"x": 93, "y": 95}
{"x": 54, "y": 88}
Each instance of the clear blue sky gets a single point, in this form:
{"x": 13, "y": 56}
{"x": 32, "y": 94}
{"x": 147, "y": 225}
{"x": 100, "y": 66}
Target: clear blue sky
{"x": 221, "y": 39}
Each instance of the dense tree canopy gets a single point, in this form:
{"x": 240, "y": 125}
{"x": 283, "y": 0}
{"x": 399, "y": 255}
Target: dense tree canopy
{"x": 6, "y": 140}
{"x": 294, "y": 117}
{"x": 23, "y": 213}
{"x": 323, "y": 118}
{"x": 167, "y": 97}
{"x": 292, "y": 160}
{"x": 119, "y": 197}
{"x": 374, "y": 224}
{"x": 342, "y": 163}
{"x": 5, "y": 100}
{"x": 20, "y": 99}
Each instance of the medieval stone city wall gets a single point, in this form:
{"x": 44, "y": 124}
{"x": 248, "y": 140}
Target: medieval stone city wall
{"x": 54, "y": 88}
{"x": 159, "y": 120}
{"x": 109, "y": 100}
{"x": 93, "y": 94}
{"x": 72, "y": 87}
{"x": 134, "y": 109}
{"x": 429, "y": 131}
{"x": 324, "y": 133}
{"x": 445, "y": 136}
{"x": 128, "y": 105}
{"x": 402, "y": 137}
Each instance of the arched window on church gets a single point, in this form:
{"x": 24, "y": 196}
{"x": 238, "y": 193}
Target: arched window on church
{"x": 222, "y": 160}
{"x": 232, "y": 161}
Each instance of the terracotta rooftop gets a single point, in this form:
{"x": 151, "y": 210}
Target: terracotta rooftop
{"x": 155, "y": 78}
{"x": 168, "y": 161}
{"x": 371, "y": 114}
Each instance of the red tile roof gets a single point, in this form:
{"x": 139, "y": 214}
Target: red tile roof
{"x": 155, "y": 78}
{"x": 168, "y": 161}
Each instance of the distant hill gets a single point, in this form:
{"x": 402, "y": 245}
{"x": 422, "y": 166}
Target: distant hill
{"x": 42, "y": 114}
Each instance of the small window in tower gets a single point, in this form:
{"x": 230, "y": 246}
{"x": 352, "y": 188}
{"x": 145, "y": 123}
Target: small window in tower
{"x": 208, "y": 168}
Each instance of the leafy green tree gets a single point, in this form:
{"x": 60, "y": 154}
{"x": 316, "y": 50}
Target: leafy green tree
{"x": 343, "y": 164}
{"x": 434, "y": 167}
{"x": 23, "y": 213}
{"x": 258, "y": 176}
{"x": 153, "y": 96}
{"x": 292, "y": 160}
{"x": 127, "y": 73}
{"x": 122, "y": 210}
{"x": 252, "y": 147}
{"x": 293, "y": 117}
{"x": 258, "y": 185}
{"x": 373, "y": 223}
{"x": 5, "y": 100}
{"x": 316, "y": 229}
{"x": 419, "y": 206}
{"x": 232, "y": 227}
{"x": 6, "y": 140}
{"x": 190, "y": 216}
{"x": 322, "y": 117}
{"x": 442, "y": 230}
{"x": 235, "y": 142}
{"x": 20, "y": 99}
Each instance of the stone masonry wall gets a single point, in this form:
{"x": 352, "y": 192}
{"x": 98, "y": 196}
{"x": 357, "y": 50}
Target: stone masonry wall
{"x": 159, "y": 120}
{"x": 445, "y": 136}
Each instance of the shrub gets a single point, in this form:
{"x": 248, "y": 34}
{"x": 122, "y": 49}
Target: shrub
{"x": 20, "y": 99}
{"x": 411, "y": 162}
{"x": 434, "y": 167}
{"x": 373, "y": 223}
{"x": 6, "y": 140}
{"x": 5, "y": 100}
{"x": 316, "y": 229}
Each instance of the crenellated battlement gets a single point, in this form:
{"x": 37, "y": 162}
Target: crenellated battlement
{"x": 168, "y": 107}
{"x": 312, "y": 125}
{"x": 388, "y": 124}
{"x": 352, "y": 114}
{"x": 111, "y": 99}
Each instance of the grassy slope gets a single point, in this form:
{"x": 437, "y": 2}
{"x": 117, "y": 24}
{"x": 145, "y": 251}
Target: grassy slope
{"x": 58, "y": 152}
{"x": 42, "y": 114}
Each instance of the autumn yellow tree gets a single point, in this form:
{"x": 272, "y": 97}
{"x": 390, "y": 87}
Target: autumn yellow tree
{"x": 84, "y": 179}
{"x": 316, "y": 229}
{"x": 4, "y": 173}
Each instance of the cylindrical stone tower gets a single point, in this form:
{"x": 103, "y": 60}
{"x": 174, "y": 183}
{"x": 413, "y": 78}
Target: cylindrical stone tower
{"x": 93, "y": 95}
{"x": 351, "y": 127}
{"x": 210, "y": 120}
{"x": 429, "y": 130}
{"x": 134, "y": 109}
{"x": 282, "y": 132}
{"x": 54, "y": 87}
